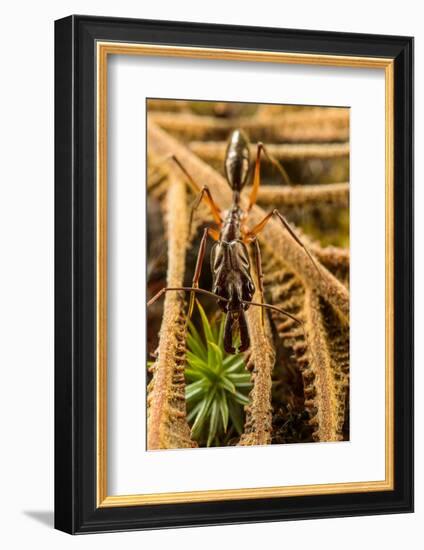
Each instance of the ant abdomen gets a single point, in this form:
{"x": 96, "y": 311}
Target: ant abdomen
{"x": 237, "y": 160}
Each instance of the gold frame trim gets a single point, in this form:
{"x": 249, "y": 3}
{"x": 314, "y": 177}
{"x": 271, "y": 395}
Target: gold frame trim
{"x": 119, "y": 48}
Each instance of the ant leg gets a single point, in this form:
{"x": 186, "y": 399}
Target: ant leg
{"x": 257, "y": 173}
{"x": 193, "y": 185}
{"x": 281, "y": 312}
{"x": 198, "y": 269}
{"x": 216, "y": 213}
{"x": 208, "y": 231}
{"x": 280, "y": 168}
{"x": 256, "y": 178}
{"x": 259, "y": 227}
{"x": 274, "y": 308}
{"x": 203, "y": 192}
{"x": 183, "y": 289}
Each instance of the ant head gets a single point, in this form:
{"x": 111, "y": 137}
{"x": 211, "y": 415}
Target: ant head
{"x": 237, "y": 160}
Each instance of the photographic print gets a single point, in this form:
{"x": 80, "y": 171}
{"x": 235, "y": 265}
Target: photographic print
{"x": 203, "y": 315}
{"x": 247, "y": 274}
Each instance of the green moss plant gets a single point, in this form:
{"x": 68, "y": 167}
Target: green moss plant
{"x": 217, "y": 385}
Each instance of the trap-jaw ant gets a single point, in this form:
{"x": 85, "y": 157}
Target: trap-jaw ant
{"x": 233, "y": 285}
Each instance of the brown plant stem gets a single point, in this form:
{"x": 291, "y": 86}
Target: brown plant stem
{"x": 334, "y": 258}
{"x": 214, "y": 151}
{"x": 336, "y": 194}
{"x": 323, "y": 399}
{"x": 320, "y": 348}
{"x": 260, "y": 360}
{"x": 296, "y": 126}
{"x": 168, "y": 105}
{"x": 167, "y": 426}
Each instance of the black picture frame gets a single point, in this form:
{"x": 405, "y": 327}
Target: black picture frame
{"x": 76, "y": 510}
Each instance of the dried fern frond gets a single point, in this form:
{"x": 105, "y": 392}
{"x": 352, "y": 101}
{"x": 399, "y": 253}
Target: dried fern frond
{"x": 319, "y": 298}
{"x": 160, "y": 170}
{"x": 169, "y": 105}
{"x": 320, "y": 348}
{"x": 297, "y": 126}
{"x": 167, "y": 426}
{"x": 269, "y": 110}
{"x": 335, "y": 194}
{"x": 214, "y": 151}
{"x": 328, "y": 389}
{"x": 335, "y": 259}
{"x": 260, "y": 361}
{"x": 157, "y": 177}
{"x": 162, "y": 144}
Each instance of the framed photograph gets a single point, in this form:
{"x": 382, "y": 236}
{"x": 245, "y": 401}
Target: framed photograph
{"x": 234, "y": 274}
